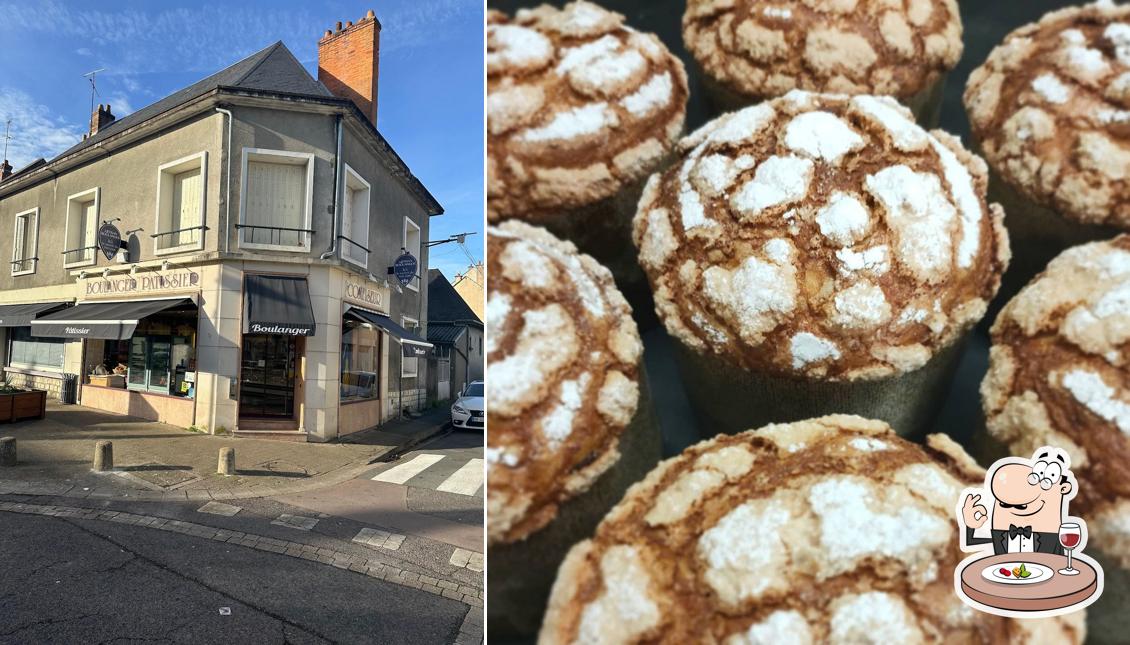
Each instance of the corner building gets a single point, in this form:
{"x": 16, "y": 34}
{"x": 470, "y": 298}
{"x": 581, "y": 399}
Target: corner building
{"x": 252, "y": 221}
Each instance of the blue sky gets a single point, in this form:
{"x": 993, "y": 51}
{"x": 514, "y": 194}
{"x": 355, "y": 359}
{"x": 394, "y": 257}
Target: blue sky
{"x": 431, "y": 84}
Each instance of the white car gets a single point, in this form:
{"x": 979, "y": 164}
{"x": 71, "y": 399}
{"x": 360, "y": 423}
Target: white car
{"x": 467, "y": 411}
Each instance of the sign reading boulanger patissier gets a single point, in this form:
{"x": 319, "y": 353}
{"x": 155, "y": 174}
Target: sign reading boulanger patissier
{"x": 151, "y": 284}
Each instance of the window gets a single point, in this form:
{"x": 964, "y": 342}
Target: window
{"x": 360, "y": 361}
{"x": 82, "y": 221}
{"x": 180, "y": 204}
{"x": 276, "y": 200}
{"x": 412, "y": 245}
{"x": 409, "y": 366}
{"x": 25, "y": 242}
{"x": 355, "y": 219}
{"x": 34, "y": 352}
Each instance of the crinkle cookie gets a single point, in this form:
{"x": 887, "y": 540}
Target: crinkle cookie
{"x": 579, "y": 106}
{"x": 1051, "y": 110}
{"x": 821, "y": 236}
{"x": 764, "y": 49}
{"x": 827, "y": 530}
{"x": 563, "y": 357}
{"x": 1060, "y": 375}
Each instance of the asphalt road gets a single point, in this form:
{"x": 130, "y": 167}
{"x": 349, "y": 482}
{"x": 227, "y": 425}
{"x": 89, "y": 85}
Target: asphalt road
{"x": 77, "y": 581}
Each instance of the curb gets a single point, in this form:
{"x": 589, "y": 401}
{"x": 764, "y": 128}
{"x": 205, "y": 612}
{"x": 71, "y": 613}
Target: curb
{"x": 330, "y": 478}
{"x": 339, "y": 559}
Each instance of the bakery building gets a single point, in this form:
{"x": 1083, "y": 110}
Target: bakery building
{"x": 242, "y": 256}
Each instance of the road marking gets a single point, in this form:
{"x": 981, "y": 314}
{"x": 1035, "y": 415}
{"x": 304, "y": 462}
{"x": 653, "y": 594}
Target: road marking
{"x": 296, "y": 522}
{"x": 404, "y": 472}
{"x": 466, "y": 480}
{"x": 379, "y": 538}
{"x": 219, "y": 508}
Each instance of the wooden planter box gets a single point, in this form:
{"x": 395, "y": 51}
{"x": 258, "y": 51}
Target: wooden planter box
{"x": 23, "y": 405}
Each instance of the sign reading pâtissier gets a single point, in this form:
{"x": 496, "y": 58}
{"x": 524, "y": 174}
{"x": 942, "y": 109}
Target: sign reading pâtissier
{"x": 366, "y": 294}
{"x": 150, "y": 283}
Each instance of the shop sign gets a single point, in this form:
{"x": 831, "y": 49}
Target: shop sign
{"x": 286, "y": 329}
{"x": 146, "y": 283}
{"x": 417, "y": 351}
{"x": 404, "y": 268}
{"x": 109, "y": 240}
{"x": 364, "y": 294}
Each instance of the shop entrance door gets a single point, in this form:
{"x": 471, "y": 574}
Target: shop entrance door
{"x": 267, "y": 377}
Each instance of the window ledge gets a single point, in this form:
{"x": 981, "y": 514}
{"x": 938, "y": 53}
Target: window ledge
{"x": 28, "y": 371}
{"x": 184, "y": 248}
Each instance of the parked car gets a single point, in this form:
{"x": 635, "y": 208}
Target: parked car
{"x": 467, "y": 411}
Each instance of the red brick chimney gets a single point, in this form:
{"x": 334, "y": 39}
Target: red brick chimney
{"x": 5, "y": 170}
{"x": 101, "y": 118}
{"x": 349, "y": 62}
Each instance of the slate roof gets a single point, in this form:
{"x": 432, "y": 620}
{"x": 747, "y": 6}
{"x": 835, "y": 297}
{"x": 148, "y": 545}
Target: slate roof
{"x": 445, "y": 304}
{"x": 273, "y": 69}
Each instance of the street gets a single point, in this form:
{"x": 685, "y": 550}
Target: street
{"x": 362, "y": 561}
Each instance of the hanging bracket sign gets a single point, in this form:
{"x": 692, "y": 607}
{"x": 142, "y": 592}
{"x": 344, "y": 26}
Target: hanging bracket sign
{"x": 109, "y": 240}
{"x": 404, "y": 268}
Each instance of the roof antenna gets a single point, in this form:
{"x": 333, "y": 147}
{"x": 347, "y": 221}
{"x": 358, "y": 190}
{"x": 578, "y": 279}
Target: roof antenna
{"x": 7, "y": 137}
{"x": 93, "y": 87}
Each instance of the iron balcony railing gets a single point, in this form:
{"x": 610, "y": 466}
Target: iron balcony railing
{"x": 24, "y": 264}
{"x": 69, "y": 255}
{"x": 275, "y": 234}
{"x": 364, "y": 259}
{"x": 164, "y": 241}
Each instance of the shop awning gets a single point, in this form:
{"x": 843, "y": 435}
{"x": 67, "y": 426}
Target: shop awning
{"x": 411, "y": 343}
{"x": 22, "y": 315}
{"x": 279, "y": 305}
{"x": 106, "y": 320}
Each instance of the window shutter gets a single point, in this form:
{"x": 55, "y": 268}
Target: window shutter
{"x": 89, "y": 225}
{"x": 19, "y": 245}
{"x": 186, "y": 206}
{"x": 276, "y": 197}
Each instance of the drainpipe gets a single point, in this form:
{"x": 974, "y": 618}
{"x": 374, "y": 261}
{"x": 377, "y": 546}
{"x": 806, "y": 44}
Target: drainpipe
{"x": 220, "y": 304}
{"x": 227, "y": 184}
{"x": 336, "y": 206}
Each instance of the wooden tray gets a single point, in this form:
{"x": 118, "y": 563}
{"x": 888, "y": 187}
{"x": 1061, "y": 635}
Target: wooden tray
{"x": 1057, "y": 592}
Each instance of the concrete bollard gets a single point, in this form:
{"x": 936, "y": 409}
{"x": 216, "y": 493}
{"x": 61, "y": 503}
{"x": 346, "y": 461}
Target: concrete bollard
{"x": 103, "y": 456}
{"x": 8, "y": 451}
{"x": 226, "y": 464}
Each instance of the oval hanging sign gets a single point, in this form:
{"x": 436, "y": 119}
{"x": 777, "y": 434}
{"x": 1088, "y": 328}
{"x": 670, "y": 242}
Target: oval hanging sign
{"x": 404, "y": 268}
{"x": 109, "y": 240}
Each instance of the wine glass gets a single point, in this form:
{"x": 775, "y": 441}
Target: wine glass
{"x": 1069, "y": 537}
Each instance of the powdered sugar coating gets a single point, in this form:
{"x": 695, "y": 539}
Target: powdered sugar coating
{"x": 852, "y": 46}
{"x": 792, "y": 236}
{"x": 1048, "y": 110}
{"x": 563, "y": 361}
{"x": 578, "y": 106}
{"x": 1059, "y": 369}
{"x": 836, "y": 533}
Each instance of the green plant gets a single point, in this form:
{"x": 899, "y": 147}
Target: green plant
{"x": 222, "y": 430}
{"x": 7, "y": 388}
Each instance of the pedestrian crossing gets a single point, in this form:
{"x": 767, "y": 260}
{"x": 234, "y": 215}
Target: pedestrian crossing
{"x": 445, "y": 473}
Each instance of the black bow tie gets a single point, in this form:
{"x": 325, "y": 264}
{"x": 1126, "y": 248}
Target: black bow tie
{"x": 1014, "y": 530}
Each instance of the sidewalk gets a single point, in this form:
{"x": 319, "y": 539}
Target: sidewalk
{"x": 156, "y": 461}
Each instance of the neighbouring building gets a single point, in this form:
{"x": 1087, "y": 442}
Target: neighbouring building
{"x": 223, "y": 257}
{"x": 457, "y": 334}
{"x": 471, "y": 286}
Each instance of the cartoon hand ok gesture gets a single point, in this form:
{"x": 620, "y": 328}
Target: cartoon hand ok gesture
{"x": 974, "y": 513}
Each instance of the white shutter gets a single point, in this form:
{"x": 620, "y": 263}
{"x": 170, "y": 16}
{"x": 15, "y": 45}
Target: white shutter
{"x": 19, "y": 245}
{"x": 87, "y": 225}
{"x": 276, "y": 196}
{"x": 347, "y": 218}
{"x": 186, "y": 207}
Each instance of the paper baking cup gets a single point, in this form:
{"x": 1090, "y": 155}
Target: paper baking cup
{"x": 730, "y": 399}
{"x": 926, "y": 104}
{"x": 1037, "y": 234}
{"x": 520, "y": 575}
{"x": 1108, "y": 621}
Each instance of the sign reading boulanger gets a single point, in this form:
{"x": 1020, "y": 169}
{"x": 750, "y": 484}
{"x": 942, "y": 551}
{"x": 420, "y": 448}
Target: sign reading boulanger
{"x": 144, "y": 283}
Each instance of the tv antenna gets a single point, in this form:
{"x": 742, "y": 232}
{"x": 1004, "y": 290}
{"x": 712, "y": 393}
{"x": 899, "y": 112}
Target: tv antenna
{"x": 90, "y": 76}
{"x": 7, "y": 137}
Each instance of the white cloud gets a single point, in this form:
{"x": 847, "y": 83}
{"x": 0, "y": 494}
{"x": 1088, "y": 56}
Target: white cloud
{"x": 119, "y": 105}
{"x": 36, "y": 131}
{"x": 83, "y": 51}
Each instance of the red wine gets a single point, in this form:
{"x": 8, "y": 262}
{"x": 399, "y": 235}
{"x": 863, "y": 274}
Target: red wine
{"x": 1069, "y": 540}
